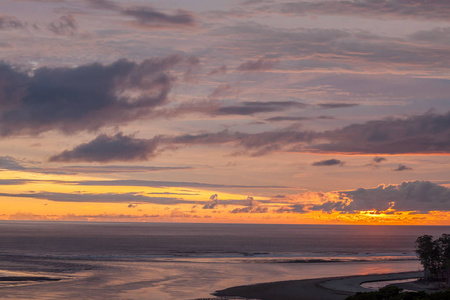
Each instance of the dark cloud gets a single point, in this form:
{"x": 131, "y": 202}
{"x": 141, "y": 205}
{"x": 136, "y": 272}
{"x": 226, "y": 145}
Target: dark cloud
{"x": 106, "y": 148}
{"x": 420, "y": 196}
{"x": 251, "y": 206}
{"x": 65, "y": 25}
{"x": 104, "y": 4}
{"x": 82, "y": 98}
{"x": 401, "y": 167}
{"x": 16, "y": 181}
{"x": 413, "y": 196}
{"x": 251, "y": 2}
{"x": 258, "y": 143}
{"x": 107, "y": 197}
{"x": 150, "y": 183}
{"x": 214, "y": 201}
{"x": 258, "y": 65}
{"x": 379, "y": 159}
{"x": 294, "y": 208}
{"x": 10, "y": 22}
{"x": 328, "y": 162}
{"x": 10, "y": 163}
{"x": 336, "y": 105}
{"x": 282, "y": 118}
{"x": 286, "y": 118}
{"x": 250, "y": 108}
{"x": 436, "y": 35}
{"x": 376, "y": 161}
{"x": 426, "y": 133}
{"x": 117, "y": 169}
{"x": 152, "y": 18}
{"x": 149, "y": 17}
{"x": 430, "y": 10}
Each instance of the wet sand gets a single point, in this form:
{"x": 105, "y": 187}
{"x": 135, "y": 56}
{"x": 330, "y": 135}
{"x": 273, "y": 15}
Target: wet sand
{"x": 337, "y": 288}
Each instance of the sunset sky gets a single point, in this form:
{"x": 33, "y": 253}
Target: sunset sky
{"x": 249, "y": 111}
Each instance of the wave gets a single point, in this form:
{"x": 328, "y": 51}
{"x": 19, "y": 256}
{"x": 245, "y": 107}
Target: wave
{"x": 222, "y": 257}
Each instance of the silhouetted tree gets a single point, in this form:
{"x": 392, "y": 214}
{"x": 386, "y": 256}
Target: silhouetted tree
{"x": 434, "y": 256}
{"x": 444, "y": 246}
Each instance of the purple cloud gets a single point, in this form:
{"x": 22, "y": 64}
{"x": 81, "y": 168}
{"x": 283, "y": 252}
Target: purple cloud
{"x": 87, "y": 97}
{"x": 110, "y": 148}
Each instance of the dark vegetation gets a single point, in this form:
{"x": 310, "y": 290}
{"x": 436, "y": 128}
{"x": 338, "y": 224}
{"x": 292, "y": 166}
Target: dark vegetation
{"x": 434, "y": 256}
{"x": 394, "y": 293}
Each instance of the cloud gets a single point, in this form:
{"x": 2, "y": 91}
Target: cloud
{"x": 258, "y": 65}
{"x": 336, "y": 50}
{"x": 152, "y": 18}
{"x": 402, "y": 168}
{"x": 251, "y": 206}
{"x": 106, "y": 148}
{"x": 214, "y": 201}
{"x": 103, "y": 4}
{"x": 436, "y": 35}
{"x": 152, "y": 183}
{"x": 376, "y": 161}
{"x": 10, "y": 22}
{"x": 426, "y": 133}
{"x": 250, "y": 107}
{"x": 87, "y": 97}
{"x": 412, "y": 196}
{"x": 219, "y": 70}
{"x": 379, "y": 159}
{"x": 420, "y": 196}
{"x": 328, "y": 162}
{"x": 65, "y": 25}
{"x": 114, "y": 169}
{"x": 10, "y": 163}
{"x": 293, "y": 208}
{"x": 100, "y": 198}
{"x": 149, "y": 17}
{"x": 16, "y": 181}
{"x": 429, "y": 10}
{"x": 221, "y": 91}
{"x": 287, "y": 118}
{"x": 336, "y": 105}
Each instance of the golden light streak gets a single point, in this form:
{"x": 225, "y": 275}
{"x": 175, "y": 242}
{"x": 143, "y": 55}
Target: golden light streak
{"x": 28, "y": 208}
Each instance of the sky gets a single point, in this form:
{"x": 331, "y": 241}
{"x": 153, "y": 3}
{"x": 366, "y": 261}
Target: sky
{"x": 246, "y": 111}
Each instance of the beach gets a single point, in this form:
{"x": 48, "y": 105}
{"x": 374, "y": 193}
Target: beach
{"x": 334, "y": 288}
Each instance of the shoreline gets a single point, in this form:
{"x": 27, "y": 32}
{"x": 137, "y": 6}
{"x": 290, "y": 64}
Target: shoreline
{"x": 331, "y": 288}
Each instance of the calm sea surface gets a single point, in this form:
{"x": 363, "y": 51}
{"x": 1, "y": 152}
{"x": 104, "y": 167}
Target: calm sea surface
{"x": 189, "y": 261}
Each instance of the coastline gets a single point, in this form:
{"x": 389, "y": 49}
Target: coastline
{"x": 331, "y": 288}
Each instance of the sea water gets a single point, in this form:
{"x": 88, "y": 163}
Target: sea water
{"x": 190, "y": 261}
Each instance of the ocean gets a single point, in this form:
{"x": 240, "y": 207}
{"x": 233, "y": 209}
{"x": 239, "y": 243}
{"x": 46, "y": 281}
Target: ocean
{"x": 161, "y": 261}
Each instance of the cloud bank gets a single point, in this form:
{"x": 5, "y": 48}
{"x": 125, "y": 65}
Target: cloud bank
{"x": 110, "y": 148}
{"x": 420, "y": 134}
{"x": 412, "y": 196}
{"x": 87, "y": 97}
